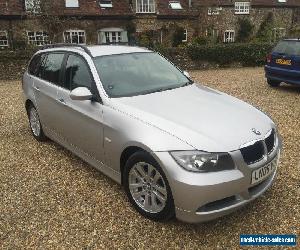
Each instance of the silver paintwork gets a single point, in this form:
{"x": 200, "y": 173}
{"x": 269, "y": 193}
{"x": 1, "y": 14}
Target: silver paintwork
{"x": 81, "y": 94}
{"x": 188, "y": 118}
{"x": 147, "y": 188}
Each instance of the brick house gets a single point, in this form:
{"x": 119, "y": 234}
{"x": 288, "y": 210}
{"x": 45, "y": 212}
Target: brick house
{"x": 38, "y": 22}
{"x": 223, "y": 16}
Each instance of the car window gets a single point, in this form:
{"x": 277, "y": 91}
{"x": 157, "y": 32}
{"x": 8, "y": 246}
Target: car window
{"x": 137, "y": 73}
{"x": 34, "y": 64}
{"x": 288, "y": 48}
{"x": 52, "y": 67}
{"x": 77, "y": 73}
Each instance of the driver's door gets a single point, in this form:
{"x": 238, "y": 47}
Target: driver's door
{"x": 81, "y": 122}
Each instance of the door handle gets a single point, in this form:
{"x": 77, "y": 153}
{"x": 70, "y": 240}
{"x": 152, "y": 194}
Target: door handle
{"x": 61, "y": 100}
{"x": 37, "y": 88}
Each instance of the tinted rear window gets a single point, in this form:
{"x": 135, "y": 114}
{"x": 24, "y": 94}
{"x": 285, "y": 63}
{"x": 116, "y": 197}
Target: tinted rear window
{"x": 52, "y": 67}
{"x": 288, "y": 48}
{"x": 34, "y": 64}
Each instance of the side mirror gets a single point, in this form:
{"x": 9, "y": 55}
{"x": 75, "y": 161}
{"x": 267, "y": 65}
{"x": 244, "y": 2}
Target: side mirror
{"x": 81, "y": 94}
{"x": 187, "y": 74}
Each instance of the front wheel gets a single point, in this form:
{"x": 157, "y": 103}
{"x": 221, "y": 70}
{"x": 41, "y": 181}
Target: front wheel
{"x": 147, "y": 187}
{"x": 273, "y": 83}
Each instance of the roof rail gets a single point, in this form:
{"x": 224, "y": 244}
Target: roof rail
{"x": 58, "y": 45}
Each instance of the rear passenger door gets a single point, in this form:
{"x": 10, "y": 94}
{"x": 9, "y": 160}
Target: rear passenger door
{"x": 80, "y": 122}
{"x": 46, "y": 83}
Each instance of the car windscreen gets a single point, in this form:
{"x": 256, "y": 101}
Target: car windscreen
{"x": 137, "y": 74}
{"x": 290, "y": 48}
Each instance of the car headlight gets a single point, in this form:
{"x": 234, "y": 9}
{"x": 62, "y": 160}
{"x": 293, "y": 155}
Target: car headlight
{"x": 198, "y": 161}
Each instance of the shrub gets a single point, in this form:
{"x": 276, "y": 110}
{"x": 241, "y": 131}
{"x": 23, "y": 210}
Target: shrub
{"x": 265, "y": 31}
{"x": 201, "y": 40}
{"x": 245, "y": 30}
{"x": 250, "y": 54}
{"x": 178, "y": 36}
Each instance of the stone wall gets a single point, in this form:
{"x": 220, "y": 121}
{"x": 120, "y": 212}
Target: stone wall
{"x": 18, "y": 28}
{"x": 228, "y": 20}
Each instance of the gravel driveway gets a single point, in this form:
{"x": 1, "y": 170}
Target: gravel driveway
{"x": 50, "y": 199}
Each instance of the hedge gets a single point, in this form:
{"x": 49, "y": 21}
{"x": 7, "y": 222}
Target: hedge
{"x": 247, "y": 54}
{"x": 17, "y": 55}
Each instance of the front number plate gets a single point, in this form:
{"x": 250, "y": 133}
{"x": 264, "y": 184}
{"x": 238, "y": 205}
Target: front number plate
{"x": 264, "y": 172}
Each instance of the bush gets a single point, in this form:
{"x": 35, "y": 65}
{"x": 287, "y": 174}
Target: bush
{"x": 16, "y": 55}
{"x": 265, "y": 31}
{"x": 178, "y": 36}
{"x": 245, "y": 30}
{"x": 250, "y": 54}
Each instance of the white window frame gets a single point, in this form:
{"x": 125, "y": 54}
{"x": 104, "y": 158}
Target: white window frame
{"x": 38, "y": 38}
{"x": 33, "y": 6}
{"x": 231, "y": 39}
{"x": 105, "y": 4}
{"x": 4, "y": 42}
{"x": 214, "y": 33}
{"x": 145, "y": 6}
{"x": 119, "y": 34}
{"x": 75, "y": 33}
{"x": 72, "y": 3}
{"x": 185, "y": 32}
{"x": 282, "y": 1}
{"x": 175, "y": 5}
{"x": 213, "y": 11}
{"x": 242, "y": 8}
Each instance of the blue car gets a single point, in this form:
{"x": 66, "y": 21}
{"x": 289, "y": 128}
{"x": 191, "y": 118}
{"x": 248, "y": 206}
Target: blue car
{"x": 283, "y": 64}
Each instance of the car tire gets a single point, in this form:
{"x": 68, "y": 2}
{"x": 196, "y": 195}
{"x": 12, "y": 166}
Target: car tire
{"x": 273, "y": 83}
{"x": 147, "y": 187}
{"x": 35, "y": 124}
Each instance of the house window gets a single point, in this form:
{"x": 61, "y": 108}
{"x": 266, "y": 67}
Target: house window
{"x": 3, "y": 38}
{"x": 32, "y": 6}
{"x": 185, "y": 33}
{"x": 105, "y": 3}
{"x": 75, "y": 36}
{"x": 229, "y": 36}
{"x": 145, "y": 6}
{"x": 242, "y": 7}
{"x": 115, "y": 35}
{"x": 214, "y": 33}
{"x": 278, "y": 33}
{"x": 37, "y": 38}
{"x": 72, "y": 3}
{"x": 213, "y": 11}
{"x": 175, "y": 5}
{"x": 281, "y": 1}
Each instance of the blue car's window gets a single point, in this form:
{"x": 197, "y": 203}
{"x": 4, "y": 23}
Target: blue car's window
{"x": 137, "y": 74}
{"x": 288, "y": 48}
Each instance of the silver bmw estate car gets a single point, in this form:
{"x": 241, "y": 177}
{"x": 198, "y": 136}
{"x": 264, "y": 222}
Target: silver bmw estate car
{"x": 178, "y": 148}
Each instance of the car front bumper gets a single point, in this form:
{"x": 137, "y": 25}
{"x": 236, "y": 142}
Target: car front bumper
{"x": 201, "y": 197}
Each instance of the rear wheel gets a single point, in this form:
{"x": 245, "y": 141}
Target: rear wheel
{"x": 273, "y": 83}
{"x": 35, "y": 124}
{"x": 147, "y": 187}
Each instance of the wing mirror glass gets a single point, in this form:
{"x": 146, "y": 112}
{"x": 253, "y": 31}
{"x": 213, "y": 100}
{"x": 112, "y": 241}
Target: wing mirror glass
{"x": 81, "y": 94}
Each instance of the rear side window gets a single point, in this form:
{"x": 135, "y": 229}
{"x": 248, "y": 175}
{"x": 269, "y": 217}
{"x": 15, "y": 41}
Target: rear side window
{"x": 52, "y": 68}
{"x": 77, "y": 73}
{"x": 34, "y": 65}
{"x": 288, "y": 48}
